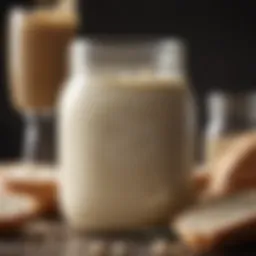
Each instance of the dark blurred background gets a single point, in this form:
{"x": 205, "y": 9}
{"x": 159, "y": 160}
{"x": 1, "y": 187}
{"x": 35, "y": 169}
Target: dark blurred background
{"x": 220, "y": 37}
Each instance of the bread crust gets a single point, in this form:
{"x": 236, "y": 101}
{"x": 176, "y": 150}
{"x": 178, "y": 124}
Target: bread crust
{"x": 200, "y": 179}
{"x": 45, "y": 192}
{"x": 237, "y": 233}
{"x": 20, "y": 179}
{"x": 16, "y": 222}
{"x": 198, "y": 241}
{"x": 236, "y": 170}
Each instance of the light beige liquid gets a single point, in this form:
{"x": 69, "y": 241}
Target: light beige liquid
{"x": 125, "y": 151}
{"x": 38, "y": 43}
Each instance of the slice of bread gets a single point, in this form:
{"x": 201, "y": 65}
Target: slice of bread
{"x": 16, "y": 210}
{"x": 38, "y": 181}
{"x": 236, "y": 170}
{"x": 200, "y": 180}
{"x": 218, "y": 222}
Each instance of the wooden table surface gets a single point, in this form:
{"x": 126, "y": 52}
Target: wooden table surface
{"x": 52, "y": 237}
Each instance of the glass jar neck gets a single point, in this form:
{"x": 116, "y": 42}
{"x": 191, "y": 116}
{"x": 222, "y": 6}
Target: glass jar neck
{"x": 158, "y": 57}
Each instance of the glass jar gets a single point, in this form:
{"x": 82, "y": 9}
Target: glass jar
{"x": 126, "y": 130}
{"x": 230, "y": 115}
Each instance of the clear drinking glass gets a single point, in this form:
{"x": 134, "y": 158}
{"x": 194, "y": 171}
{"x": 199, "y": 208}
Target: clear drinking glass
{"x": 39, "y": 137}
{"x": 230, "y": 115}
{"x": 38, "y": 39}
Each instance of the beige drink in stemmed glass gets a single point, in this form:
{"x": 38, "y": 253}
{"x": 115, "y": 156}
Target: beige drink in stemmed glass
{"x": 38, "y": 40}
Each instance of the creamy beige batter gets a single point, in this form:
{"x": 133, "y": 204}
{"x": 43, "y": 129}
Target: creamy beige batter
{"x": 125, "y": 151}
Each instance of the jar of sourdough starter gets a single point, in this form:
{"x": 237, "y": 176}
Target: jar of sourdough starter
{"x": 230, "y": 115}
{"x": 126, "y": 130}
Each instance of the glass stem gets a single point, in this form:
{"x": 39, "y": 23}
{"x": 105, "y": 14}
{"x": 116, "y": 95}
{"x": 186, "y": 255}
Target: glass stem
{"x": 39, "y": 138}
